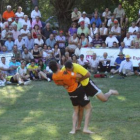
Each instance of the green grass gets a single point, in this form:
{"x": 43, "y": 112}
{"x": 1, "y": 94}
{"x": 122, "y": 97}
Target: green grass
{"x": 43, "y": 111}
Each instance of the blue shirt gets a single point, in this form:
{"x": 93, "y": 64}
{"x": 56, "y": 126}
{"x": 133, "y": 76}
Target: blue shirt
{"x": 97, "y": 21}
{"x": 118, "y": 61}
{"x": 9, "y": 45}
{"x": 13, "y": 72}
{"x": 50, "y": 42}
{"x": 29, "y": 44}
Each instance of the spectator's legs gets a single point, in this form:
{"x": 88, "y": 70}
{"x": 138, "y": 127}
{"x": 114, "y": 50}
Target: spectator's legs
{"x": 42, "y": 75}
{"x": 107, "y": 66}
{"x": 18, "y": 79}
{"x": 62, "y": 50}
{"x": 129, "y": 73}
{"x": 32, "y": 76}
{"x": 126, "y": 22}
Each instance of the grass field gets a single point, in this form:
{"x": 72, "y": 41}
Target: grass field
{"x": 43, "y": 111}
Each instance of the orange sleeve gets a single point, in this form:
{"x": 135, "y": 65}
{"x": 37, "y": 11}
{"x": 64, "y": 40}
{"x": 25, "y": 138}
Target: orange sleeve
{"x": 4, "y": 15}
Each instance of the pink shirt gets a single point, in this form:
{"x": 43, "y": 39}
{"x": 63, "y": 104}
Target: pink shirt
{"x": 15, "y": 34}
{"x": 38, "y": 23}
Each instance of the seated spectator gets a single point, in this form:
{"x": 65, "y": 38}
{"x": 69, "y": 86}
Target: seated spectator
{"x": 35, "y": 13}
{"x": 27, "y": 56}
{"x": 103, "y": 31}
{"x": 49, "y": 58}
{"x": 81, "y": 61}
{"x": 106, "y": 15}
{"x": 97, "y": 41}
{"x": 110, "y": 22}
{"x": 83, "y": 29}
{"x": 37, "y": 21}
{"x": 47, "y": 31}
{"x": 33, "y": 70}
{"x": 62, "y": 61}
{"x": 29, "y": 42}
{"x": 127, "y": 40}
{"x": 3, "y": 50}
{"x": 16, "y": 22}
{"x": 137, "y": 39}
{"x": 7, "y": 23}
{"x": 85, "y": 19}
{"x": 93, "y": 30}
{"x": 45, "y": 52}
{"x": 103, "y": 45}
{"x": 122, "y": 46}
{"x": 57, "y": 53}
{"x": 126, "y": 67}
{"x": 115, "y": 45}
{"x": 9, "y": 43}
{"x": 74, "y": 58}
{"x": 36, "y": 53}
{"x": 67, "y": 56}
{"x": 61, "y": 39}
{"x": 2, "y": 79}
{"x": 116, "y": 30}
{"x": 104, "y": 64}
{"x": 72, "y": 29}
{"x": 96, "y": 12}
{"x": 27, "y": 22}
{"x": 19, "y": 43}
{"x": 24, "y": 32}
{"x": 137, "y": 72}
{"x": 22, "y": 71}
{"x": 136, "y": 46}
{"x": 15, "y": 32}
{"x": 50, "y": 41}
{"x": 93, "y": 63}
{"x": 8, "y": 13}
{"x": 133, "y": 30}
{"x": 110, "y": 39}
{"x": 4, "y": 35}
{"x": 73, "y": 42}
{"x": 16, "y": 53}
{"x": 83, "y": 41}
{"x": 19, "y": 14}
{"x": 120, "y": 15}
{"x": 97, "y": 20}
{"x": 39, "y": 41}
{"x": 35, "y": 31}
{"x": 49, "y": 72}
{"x": 75, "y": 15}
{"x": 13, "y": 65}
{"x": 117, "y": 63}
{"x": 78, "y": 50}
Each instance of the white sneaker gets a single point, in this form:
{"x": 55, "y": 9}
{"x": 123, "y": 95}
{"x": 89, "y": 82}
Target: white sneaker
{"x": 49, "y": 79}
{"x": 27, "y": 82}
{"x": 21, "y": 83}
{"x": 8, "y": 82}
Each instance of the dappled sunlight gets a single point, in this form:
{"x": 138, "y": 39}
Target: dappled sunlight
{"x": 97, "y": 137}
{"x": 2, "y": 111}
{"x": 121, "y": 98}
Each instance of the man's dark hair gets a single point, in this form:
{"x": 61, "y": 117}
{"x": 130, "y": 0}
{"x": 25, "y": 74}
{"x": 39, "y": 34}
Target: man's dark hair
{"x": 68, "y": 64}
{"x": 53, "y": 66}
{"x": 32, "y": 60}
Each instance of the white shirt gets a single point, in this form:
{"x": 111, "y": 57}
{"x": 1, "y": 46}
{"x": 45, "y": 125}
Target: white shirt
{"x": 132, "y": 30}
{"x": 22, "y": 31}
{"x": 28, "y": 23}
{"x": 105, "y": 30}
{"x": 105, "y": 60}
{"x": 86, "y": 21}
{"x": 109, "y": 41}
{"x": 108, "y": 14}
{"x": 126, "y": 65}
{"x": 82, "y": 63}
{"x": 3, "y": 34}
{"x": 5, "y": 66}
{"x": 20, "y": 16}
{"x": 94, "y": 63}
{"x": 48, "y": 69}
{"x": 35, "y": 13}
{"x": 127, "y": 41}
{"x": 39, "y": 42}
{"x": 77, "y": 51}
{"x": 19, "y": 44}
{"x": 117, "y": 30}
{"x": 21, "y": 71}
{"x": 93, "y": 32}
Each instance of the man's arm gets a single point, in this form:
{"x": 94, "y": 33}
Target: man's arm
{"x": 85, "y": 77}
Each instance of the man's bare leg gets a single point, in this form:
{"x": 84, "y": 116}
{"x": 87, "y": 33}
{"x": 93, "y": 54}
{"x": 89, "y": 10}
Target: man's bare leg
{"x": 104, "y": 97}
{"x": 18, "y": 78}
{"x": 74, "y": 119}
{"x": 43, "y": 75}
{"x": 87, "y": 118}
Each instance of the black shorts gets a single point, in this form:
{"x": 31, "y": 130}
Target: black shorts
{"x": 78, "y": 97}
{"x": 13, "y": 81}
{"x": 91, "y": 89}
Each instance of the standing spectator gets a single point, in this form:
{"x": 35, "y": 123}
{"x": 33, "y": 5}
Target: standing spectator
{"x": 106, "y": 15}
{"x": 35, "y": 31}
{"x": 93, "y": 64}
{"x": 16, "y": 53}
{"x": 75, "y": 15}
{"x": 39, "y": 41}
{"x": 24, "y": 32}
{"x": 120, "y": 15}
{"x": 110, "y": 39}
{"x": 103, "y": 31}
{"x": 47, "y": 31}
{"x": 93, "y": 30}
{"x": 126, "y": 67}
{"x": 97, "y": 41}
{"x": 57, "y": 53}
{"x": 137, "y": 72}
{"x": 27, "y": 56}
{"x": 83, "y": 29}
{"x": 61, "y": 39}
{"x": 51, "y": 41}
{"x": 19, "y": 14}
{"x": 19, "y": 24}
{"x": 127, "y": 40}
{"x": 19, "y": 43}
{"x": 117, "y": 63}
{"x": 35, "y": 13}
{"x": 8, "y": 13}
{"x": 9, "y": 43}
{"x": 104, "y": 64}
{"x": 37, "y": 21}
{"x": 83, "y": 41}
{"x": 97, "y": 20}
{"x": 15, "y": 32}
{"x": 85, "y": 19}
{"x": 72, "y": 29}
{"x": 29, "y": 42}
{"x": 133, "y": 30}
{"x": 27, "y": 22}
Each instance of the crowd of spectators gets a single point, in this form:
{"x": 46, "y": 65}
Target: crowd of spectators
{"x": 34, "y": 46}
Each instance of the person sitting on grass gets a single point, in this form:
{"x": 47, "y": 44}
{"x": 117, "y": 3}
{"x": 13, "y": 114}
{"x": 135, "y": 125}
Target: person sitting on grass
{"x": 137, "y": 72}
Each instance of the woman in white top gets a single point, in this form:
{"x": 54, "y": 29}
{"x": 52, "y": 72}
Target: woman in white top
{"x": 103, "y": 31}
{"x": 57, "y": 53}
{"x": 47, "y": 51}
{"x": 19, "y": 14}
{"x": 83, "y": 41}
{"x": 93, "y": 30}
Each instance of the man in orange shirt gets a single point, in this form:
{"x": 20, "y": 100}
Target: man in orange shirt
{"x": 75, "y": 91}
{"x": 8, "y": 13}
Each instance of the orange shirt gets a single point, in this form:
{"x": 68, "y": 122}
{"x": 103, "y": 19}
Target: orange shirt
{"x": 67, "y": 79}
{"x": 7, "y": 15}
